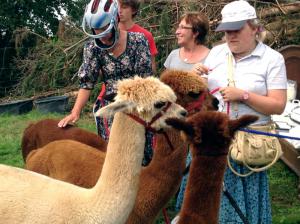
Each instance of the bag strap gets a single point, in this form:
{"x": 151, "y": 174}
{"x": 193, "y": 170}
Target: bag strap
{"x": 233, "y": 170}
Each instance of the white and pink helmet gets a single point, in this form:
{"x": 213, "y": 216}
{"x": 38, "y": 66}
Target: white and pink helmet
{"x": 99, "y": 14}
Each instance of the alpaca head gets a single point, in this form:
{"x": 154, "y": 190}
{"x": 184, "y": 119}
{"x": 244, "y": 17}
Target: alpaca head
{"x": 146, "y": 98}
{"x": 190, "y": 90}
{"x": 210, "y": 131}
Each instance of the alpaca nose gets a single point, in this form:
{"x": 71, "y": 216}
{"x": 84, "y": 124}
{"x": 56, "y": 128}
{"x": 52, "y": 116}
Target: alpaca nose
{"x": 215, "y": 103}
{"x": 184, "y": 113}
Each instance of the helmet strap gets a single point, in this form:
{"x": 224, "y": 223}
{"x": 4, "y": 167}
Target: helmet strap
{"x": 115, "y": 37}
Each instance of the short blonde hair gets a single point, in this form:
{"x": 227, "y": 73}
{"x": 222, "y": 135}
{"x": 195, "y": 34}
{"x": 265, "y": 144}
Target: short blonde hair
{"x": 261, "y": 33}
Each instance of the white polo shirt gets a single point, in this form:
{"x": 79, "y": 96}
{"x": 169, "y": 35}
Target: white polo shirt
{"x": 258, "y": 72}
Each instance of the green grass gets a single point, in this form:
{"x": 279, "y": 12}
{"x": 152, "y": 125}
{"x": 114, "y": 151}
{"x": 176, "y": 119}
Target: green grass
{"x": 283, "y": 182}
{"x": 12, "y": 128}
{"x": 284, "y": 194}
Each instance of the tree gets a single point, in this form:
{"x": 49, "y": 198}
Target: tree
{"x": 38, "y": 16}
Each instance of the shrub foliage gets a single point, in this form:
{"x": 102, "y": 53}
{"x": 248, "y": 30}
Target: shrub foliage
{"x": 42, "y": 64}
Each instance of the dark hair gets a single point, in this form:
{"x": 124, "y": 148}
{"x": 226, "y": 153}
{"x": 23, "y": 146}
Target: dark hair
{"x": 200, "y": 24}
{"x": 134, "y": 4}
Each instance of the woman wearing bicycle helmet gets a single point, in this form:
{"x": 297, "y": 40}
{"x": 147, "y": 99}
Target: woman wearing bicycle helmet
{"x": 112, "y": 54}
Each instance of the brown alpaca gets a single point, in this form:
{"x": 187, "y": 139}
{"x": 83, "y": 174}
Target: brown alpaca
{"x": 189, "y": 88}
{"x": 210, "y": 134}
{"x": 159, "y": 180}
{"x": 44, "y": 131}
{"x": 68, "y": 160}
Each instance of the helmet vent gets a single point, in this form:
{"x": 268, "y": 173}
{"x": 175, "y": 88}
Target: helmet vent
{"x": 107, "y": 5}
{"x": 95, "y": 6}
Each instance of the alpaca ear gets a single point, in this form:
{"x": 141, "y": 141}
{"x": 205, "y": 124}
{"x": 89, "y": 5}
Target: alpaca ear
{"x": 243, "y": 121}
{"x": 181, "y": 125}
{"x": 112, "y": 108}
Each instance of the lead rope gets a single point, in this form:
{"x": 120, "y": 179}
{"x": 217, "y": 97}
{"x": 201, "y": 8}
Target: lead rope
{"x": 166, "y": 217}
{"x": 105, "y": 121}
{"x": 235, "y": 205}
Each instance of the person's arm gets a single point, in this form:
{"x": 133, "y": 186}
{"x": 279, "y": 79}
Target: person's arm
{"x": 275, "y": 100}
{"x": 153, "y": 64}
{"x": 81, "y": 100}
{"x": 273, "y": 103}
{"x": 153, "y": 50}
{"x": 88, "y": 74}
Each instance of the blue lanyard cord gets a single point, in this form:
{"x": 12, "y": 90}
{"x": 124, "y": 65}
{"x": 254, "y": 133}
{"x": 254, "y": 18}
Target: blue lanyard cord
{"x": 268, "y": 134}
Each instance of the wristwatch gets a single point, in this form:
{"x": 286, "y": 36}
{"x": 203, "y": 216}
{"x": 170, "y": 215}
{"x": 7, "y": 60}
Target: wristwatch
{"x": 245, "y": 95}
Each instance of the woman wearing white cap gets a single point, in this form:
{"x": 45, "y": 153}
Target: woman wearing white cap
{"x": 111, "y": 54}
{"x": 259, "y": 88}
{"x": 259, "y": 76}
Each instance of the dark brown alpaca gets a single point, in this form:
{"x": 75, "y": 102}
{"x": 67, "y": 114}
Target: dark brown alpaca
{"x": 38, "y": 134}
{"x": 210, "y": 134}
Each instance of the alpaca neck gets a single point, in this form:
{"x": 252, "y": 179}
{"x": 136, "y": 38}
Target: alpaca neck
{"x": 165, "y": 155}
{"x": 203, "y": 192}
{"x": 118, "y": 183}
{"x": 160, "y": 179}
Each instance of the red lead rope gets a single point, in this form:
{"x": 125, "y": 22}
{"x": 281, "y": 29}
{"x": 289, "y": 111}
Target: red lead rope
{"x": 100, "y": 97}
{"x": 214, "y": 90}
{"x": 167, "y": 220}
{"x": 198, "y": 103}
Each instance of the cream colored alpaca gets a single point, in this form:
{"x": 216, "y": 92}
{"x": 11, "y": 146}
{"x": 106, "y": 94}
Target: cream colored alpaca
{"x": 28, "y": 197}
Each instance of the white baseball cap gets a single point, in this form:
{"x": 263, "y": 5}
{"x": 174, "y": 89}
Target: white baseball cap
{"x": 235, "y": 14}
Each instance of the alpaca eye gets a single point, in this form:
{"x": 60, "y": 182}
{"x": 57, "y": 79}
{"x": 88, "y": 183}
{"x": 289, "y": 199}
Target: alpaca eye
{"x": 194, "y": 95}
{"x": 159, "y": 105}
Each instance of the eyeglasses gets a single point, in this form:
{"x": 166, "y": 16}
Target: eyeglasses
{"x": 181, "y": 27}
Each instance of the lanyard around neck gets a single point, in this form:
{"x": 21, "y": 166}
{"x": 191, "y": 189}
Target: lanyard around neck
{"x": 231, "y": 83}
